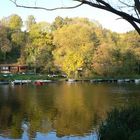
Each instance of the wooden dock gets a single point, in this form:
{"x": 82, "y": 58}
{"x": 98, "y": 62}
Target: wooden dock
{"x": 115, "y": 80}
{"x": 20, "y": 82}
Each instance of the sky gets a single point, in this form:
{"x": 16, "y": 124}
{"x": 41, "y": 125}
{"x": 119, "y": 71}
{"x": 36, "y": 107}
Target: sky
{"x": 106, "y": 19}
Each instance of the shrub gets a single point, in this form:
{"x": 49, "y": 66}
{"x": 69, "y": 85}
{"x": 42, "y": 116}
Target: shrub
{"x": 122, "y": 124}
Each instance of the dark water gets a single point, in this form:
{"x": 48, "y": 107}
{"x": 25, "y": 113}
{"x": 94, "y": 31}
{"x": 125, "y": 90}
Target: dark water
{"x": 61, "y": 110}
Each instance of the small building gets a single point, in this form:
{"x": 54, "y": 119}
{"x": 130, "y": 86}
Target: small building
{"x": 13, "y": 68}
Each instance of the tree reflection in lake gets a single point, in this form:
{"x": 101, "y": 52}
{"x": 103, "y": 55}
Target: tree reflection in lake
{"x": 61, "y": 110}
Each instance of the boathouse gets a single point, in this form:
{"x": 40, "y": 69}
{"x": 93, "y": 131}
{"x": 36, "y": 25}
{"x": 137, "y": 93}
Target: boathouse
{"x": 13, "y": 68}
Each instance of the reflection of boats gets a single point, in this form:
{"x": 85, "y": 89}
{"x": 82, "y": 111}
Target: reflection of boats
{"x": 41, "y": 82}
{"x": 38, "y": 83}
{"x": 71, "y": 80}
{"x": 137, "y": 81}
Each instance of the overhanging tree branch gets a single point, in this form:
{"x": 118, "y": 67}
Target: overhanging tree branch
{"x": 104, "y": 5}
{"x": 137, "y": 5}
{"x": 132, "y": 20}
{"x": 43, "y": 8}
{"x": 126, "y": 4}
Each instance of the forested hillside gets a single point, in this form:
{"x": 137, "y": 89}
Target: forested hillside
{"x": 77, "y": 47}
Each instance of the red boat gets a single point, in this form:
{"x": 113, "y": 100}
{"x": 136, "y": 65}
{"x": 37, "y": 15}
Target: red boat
{"x": 38, "y": 83}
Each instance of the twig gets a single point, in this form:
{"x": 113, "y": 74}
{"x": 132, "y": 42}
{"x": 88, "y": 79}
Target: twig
{"x": 43, "y": 8}
{"x": 126, "y": 4}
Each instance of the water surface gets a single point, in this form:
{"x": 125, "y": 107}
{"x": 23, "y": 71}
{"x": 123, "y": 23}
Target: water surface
{"x": 61, "y": 110}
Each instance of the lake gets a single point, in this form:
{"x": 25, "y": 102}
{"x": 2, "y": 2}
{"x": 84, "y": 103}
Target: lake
{"x": 61, "y": 110}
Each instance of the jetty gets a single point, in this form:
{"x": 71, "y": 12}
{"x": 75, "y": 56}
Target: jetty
{"x": 20, "y": 82}
{"x": 115, "y": 80}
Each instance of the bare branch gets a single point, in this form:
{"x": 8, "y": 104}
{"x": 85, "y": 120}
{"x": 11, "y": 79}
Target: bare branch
{"x": 108, "y": 7}
{"x": 137, "y": 5}
{"x": 127, "y": 5}
{"x": 43, "y": 8}
{"x": 104, "y": 3}
{"x": 136, "y": 12}
{"x": 101, "y": 4}
{"x": 132, "y": 20}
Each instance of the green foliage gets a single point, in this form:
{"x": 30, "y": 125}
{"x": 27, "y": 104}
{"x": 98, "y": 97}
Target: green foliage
{"x": 14, "y": 22}
{"x": 73, "y": 43}
{"x": 38, "y": 49}
{"x": 12, "y": 38}
{"x": 135, "y": 135}
{"x": 5, "y": 44}
{"x": 58, "y": 23}
{"x": 29, "y": 22}
{"x": 106, "y": 61}
{"x": 75, "y": 46}
{"x": 18, "y": 38}
{"x": 123, "y": 124}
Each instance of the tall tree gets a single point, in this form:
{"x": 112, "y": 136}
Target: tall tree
{"x": 29, "y": 22}
{"x": 74, "y": 42}
{"x": 107, "y": 60}
{"x": 127, "y": 9}
{"x": 15, "y": 22}
{"x": 58, "y": 23}
{"x": 5, "y": 44}
{"x": 39, "y": 46}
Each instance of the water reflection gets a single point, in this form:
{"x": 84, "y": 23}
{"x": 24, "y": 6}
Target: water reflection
{"x": 61, "y": 110}
{"x": 52, "y": 136}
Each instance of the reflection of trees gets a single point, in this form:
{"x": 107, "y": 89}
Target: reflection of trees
{"x": 73, "y": 109}
{"x": 81, "y": 107}
{"x": 35, "y": 112}
{"x": 74, "y": 117}
{"x": 21, "y": 104}
{"x": 68, "y": 109}
{"x": 5, "y": 116}
{"x": 97, "y": 100}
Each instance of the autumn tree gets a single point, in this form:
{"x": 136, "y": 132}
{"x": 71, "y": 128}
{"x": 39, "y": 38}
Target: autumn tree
{"x": 107, "y": 60}
{"x": 131, "y": 47}
{"x": 75, "y": 44}
{"x": 37, "y": 52}
{"x": 14, "y": 22}
{"x": 117, "y": 55}
{"x": 58, "y": 23}
{"x": 29, "y": 22}
{"x": 5, "y": 44}
{"x": 15, "y": 36}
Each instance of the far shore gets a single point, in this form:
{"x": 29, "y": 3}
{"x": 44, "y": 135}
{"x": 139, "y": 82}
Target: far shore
{"x": 45, "y": 78}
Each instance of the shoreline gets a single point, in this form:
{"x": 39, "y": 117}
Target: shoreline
{"x": 46, "y": 81}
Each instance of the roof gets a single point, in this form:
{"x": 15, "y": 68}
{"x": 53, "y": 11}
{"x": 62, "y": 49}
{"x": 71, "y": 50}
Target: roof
{"x": 4, "y": 65}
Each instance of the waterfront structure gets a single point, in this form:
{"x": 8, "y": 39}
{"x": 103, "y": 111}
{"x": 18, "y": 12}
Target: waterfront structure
{"x": 13, "y": 68}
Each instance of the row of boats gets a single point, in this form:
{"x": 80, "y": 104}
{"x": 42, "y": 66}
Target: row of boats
{"x": 22, "y": 82}
{"x": 35, "y": 82}
{"x": 43, "y": 82}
